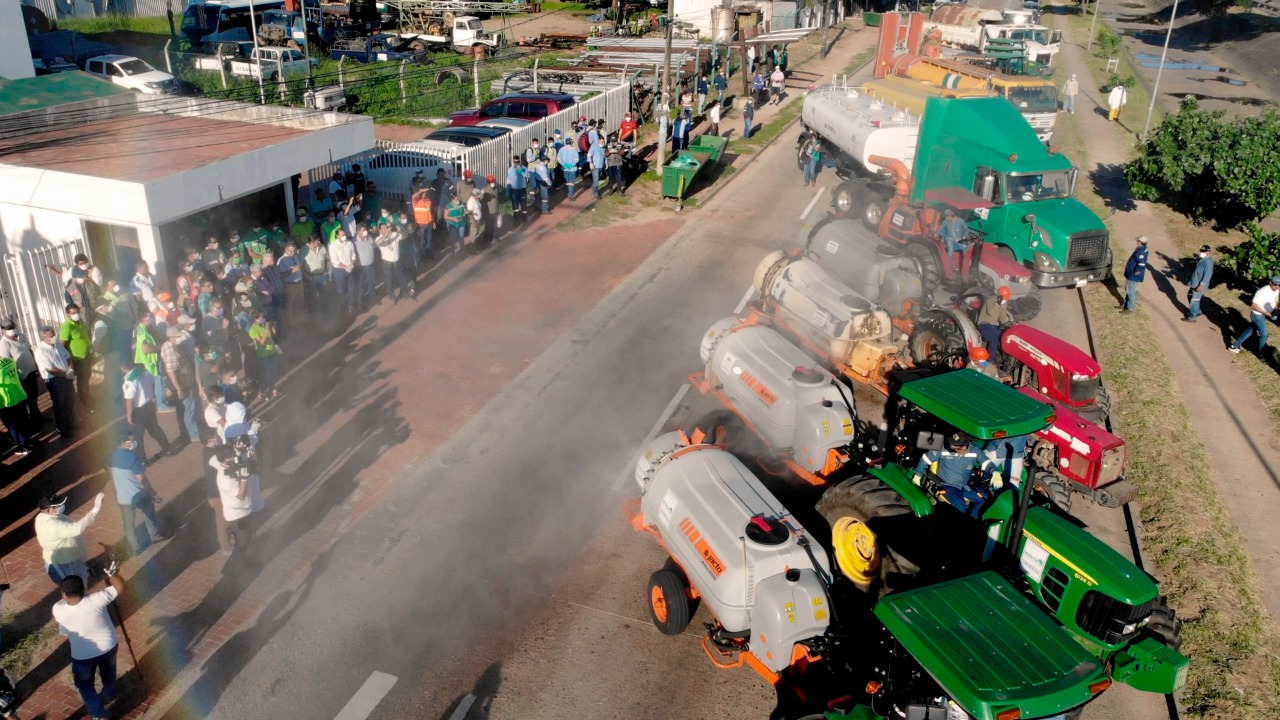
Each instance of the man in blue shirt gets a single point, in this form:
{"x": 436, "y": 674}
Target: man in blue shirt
{"x": 133, "y": 492}
{"x": 516, "y": 185}
{"x": 569, "y": 160}
{"x": 596, "y": 159}
{"x": 1200, "y": 279}
{"x": 1135, "y": 271}
{"x": 955, "y": 234}
{"x": 722, "y": 86}
{"x": 953, "y": 467}
{"x": 702, "y": 88}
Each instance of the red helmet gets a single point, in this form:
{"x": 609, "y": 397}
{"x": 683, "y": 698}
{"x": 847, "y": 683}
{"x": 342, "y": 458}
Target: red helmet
{"x": 468, "y": 174}
{"x": 1005, "y": 293}
{"x": 490, "y": 179}
{"x": 979, "y": 354}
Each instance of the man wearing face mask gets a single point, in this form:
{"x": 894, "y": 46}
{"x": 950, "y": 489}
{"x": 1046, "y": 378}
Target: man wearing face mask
{"x": 81, "y": 291}
{"x": 12, "y": 406}
{"x": 15, "y": 347}
{"x": 61, "y": 538}
{"x": 302, "y": 228}
{"x": 56, "y": 371}
{"x": 134, "y": 493}
{"x": 139, "y": 392}
{"x": 74, "y": 335}
{"x": 180, "y": 371}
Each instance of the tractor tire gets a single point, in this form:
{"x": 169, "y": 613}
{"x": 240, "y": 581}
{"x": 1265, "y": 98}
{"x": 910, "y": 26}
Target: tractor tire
{"x": 927, "y": 263}
{"x": 419, "y": 46}
{"x": 879, "y": 507}
{"x": 1054, "y": 488}
{"x": 933, "y": 341}
{"x": 1100, "y": 410}
{"x": 1074, "y": 714}
{"x": 844, "y": 199}
{"x": 1026, "y": 307}
{"x": 1165, "y": 624}
{"x": 669, "y": 602}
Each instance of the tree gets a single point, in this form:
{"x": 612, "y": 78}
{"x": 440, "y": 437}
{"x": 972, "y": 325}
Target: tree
{"x": 1257, "y": 258}
{"x": 1218, "y": 170}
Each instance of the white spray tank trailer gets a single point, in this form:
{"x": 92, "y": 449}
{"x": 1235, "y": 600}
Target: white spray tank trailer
{"x": 801, "y": 412}
{"x": 828, "y": 317}
{"x": 738, "y": 549}
{"x": 868, "y": 265}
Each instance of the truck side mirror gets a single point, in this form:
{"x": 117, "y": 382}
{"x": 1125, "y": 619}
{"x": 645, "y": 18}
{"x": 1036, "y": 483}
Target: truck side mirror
{"x": 1056, "y": 37}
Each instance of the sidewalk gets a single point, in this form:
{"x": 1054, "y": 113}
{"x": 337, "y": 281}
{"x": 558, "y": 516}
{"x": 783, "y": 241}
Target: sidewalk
{"x": 1228, "y": 418}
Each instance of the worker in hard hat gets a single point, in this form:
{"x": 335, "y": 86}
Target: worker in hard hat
{"x": 980, "y": 360}
{"x": 993, "y": 318}
{"x": 955, "y": 469}
{"x": 956, "y": 235}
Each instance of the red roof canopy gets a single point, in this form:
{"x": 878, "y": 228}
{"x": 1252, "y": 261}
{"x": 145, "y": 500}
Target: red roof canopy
{"x": 958, "y": 198}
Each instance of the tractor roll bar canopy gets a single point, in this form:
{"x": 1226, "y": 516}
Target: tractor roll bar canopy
{"x": 981, "y": 406}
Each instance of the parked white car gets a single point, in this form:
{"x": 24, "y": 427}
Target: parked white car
{"x": 132, "y": 73}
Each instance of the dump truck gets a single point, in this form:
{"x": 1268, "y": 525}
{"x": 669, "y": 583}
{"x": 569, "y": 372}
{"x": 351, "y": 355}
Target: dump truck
{"x": 905, "y": 50}
{"x": 973, "y": 28}
{"x": 975, "y": 152}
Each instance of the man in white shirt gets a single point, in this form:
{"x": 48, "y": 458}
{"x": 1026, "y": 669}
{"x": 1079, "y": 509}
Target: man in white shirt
{"x": 138, "y": 391}
{"x": 60, "y": 537}
{"x": 86, "y": 622}
{"x": 55, "y": 367}
{"x": 241, "y": 494}
{"x": 1262, "y": 308}
{"x": 388, "y": 242}
{"x": 777, "y": 81}
{"x": 475, "y": 215}
{"x": 342, "y": 256}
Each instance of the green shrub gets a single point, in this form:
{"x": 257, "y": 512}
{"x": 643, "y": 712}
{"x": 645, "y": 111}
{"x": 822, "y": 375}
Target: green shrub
{"x": 1257, "y": 258}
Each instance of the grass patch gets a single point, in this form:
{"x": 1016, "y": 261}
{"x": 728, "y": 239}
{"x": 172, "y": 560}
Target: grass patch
{"x": 119, "y": 23}
{"x": 21, "y": 645}
{"x": 566, "y": 7}
{"x": 1234, "y": 649}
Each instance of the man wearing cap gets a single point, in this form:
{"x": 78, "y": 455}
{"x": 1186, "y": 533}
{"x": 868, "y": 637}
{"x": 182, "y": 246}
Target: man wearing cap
{"x": 180, "y": 370}
{"x": 55, "y": 369}
{"x": 569, "y": 159}
{"x": 13, "y": 406}
{"x": 1262, "y": 308}
{"x": 1070, "y": 89}
{"x": 61, "y": 538}
{"x": 302, "y": 227}
{"x": 1135, "y": 271}
{"x": 14, "y": 346}
{"x": 993, "y": 318}
{"x": 954, "y": 467}
{"x": 703, "y": 89}
{"x": 1200, "y": 279}
{"x": 476, "y": 218}
{"x": 74, "y": 335}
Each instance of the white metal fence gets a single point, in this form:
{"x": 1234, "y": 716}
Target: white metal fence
{"x": 62, "y": 9}
{"x": 29, "y": 291}
{"x": 392, "y": 165}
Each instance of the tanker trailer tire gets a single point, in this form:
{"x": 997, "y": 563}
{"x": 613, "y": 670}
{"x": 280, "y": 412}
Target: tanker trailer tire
{"x": 878, "y": 506}
{"x": 1054, "y": 488}
{"x": 933, "y": 341}
{"x": 927, "y": 264}
{"x": 843, "y": 199}
{"x": 669, "y": 602}
{"x": 1165, "y": 624}
{"x": 872, "y": 204}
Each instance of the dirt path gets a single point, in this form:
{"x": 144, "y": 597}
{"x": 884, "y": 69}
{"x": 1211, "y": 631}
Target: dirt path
{"x": 1228, "y": 418}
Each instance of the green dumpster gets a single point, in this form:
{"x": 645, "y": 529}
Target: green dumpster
{"x": 713, "y": 144}
{"x": 677, "y": 176}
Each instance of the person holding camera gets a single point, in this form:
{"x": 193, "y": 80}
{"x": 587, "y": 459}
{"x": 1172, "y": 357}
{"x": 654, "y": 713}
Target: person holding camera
{"x": 86, "y": 622}
{"x": 239, "y": 488}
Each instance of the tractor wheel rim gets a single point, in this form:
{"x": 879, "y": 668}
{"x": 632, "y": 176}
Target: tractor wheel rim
{"x": 843, "y": 201}
{"x": 659, "y": 602}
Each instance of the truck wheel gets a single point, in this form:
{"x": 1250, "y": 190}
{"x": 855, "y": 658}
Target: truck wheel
{"x": 927, "y": 263}
{"x": 873, "y": 205}
{"x": 843, "y": 199}
{"x": 419, "y": 46}
{"x": 668, "y": 602}
{"x": 1053, "y": 488}
{"x": 935, "y": 341}
{"x": 1026, "y": 307}
{"x": 878, "y": 506}
{"x": 1165, "y": 624}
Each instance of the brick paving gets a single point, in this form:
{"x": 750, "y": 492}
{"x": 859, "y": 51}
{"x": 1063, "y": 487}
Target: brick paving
{"x": 371, "y": 398}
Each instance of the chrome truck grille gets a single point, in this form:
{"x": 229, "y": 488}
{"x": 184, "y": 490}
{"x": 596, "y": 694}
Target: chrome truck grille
{"x": 1088, "y": 249}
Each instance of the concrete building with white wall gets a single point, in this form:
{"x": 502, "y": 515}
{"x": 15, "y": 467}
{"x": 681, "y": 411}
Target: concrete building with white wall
{"x": 128, "y": 177}
{"x": 15, "y": 52}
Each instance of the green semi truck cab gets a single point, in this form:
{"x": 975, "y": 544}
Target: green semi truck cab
{"x": 985, "y": 145}
{"x": 1095, "y": 594}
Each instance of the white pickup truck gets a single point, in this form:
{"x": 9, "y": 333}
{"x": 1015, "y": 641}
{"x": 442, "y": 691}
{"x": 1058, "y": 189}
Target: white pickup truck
{"x": 269, "y": 62}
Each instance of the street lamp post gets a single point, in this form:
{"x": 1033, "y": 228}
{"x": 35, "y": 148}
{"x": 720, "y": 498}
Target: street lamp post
{"x": 1155, "y": 91}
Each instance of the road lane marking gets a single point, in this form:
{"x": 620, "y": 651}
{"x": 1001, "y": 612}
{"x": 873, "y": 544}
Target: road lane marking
{"x": 746, "y": 298}
{"x": 629, "y": 470}
{"x": 463, "y": 708}
{"x": 367, "y": 697}
{"x": 814, "y": 201}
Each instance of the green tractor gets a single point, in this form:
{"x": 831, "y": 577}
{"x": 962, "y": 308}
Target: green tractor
{"x": 1110, "y": 607}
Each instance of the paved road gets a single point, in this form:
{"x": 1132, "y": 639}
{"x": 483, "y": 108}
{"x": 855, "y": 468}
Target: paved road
{"x": 499, "y": 575}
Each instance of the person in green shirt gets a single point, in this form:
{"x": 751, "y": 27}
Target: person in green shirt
{"x": 372, "y": 201}
{"x": 329, "y": 227}
{"x": 146, "y": 352}
{"x": 264, "y": 341}
{"x": 302, "y": 228}
{"x": 456, "y": 216}
{"x": 75, "y": 337}
{"x": 256, "y": 244}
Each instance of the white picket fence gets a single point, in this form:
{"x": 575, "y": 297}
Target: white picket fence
{"x": 392, "y": 165}
{"x": 29, "y": 292}
{"x": 62, "y": 9}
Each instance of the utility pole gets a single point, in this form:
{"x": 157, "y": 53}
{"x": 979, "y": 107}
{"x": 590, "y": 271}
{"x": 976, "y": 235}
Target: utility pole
{"x": 257, "y": 58}
{"x": 826, "y": 23}
{"x": 1092, "y": 25}
{"x": 1155, "y": 91}
{"x": 664, "y": 109}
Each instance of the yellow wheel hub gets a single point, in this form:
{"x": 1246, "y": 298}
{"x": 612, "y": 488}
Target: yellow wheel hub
{"x": 856, "y": 551}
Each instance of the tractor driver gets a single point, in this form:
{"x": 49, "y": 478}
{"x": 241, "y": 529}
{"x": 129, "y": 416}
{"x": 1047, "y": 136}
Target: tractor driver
{"x": 956, "y": 235}
{"x": 954, "y": 468}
